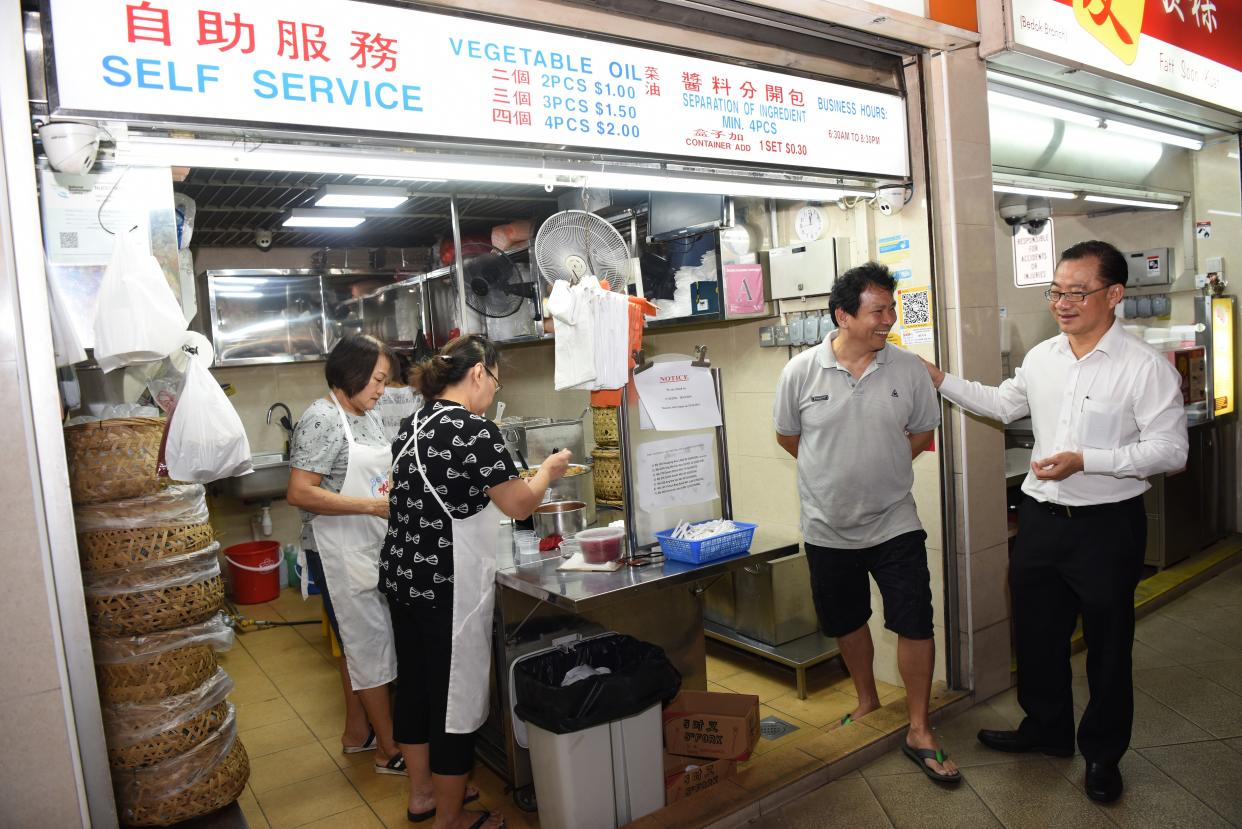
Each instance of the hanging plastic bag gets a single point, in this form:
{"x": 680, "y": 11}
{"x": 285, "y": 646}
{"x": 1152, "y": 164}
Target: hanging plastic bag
{"x": 206, "y": 440}
{"x": 137, "y": 319}
{"x": 66, "y": 342}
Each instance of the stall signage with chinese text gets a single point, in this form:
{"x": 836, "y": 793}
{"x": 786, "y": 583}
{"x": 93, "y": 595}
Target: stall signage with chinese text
{"x": 341, "y": 64}
{"x": 1189, "y": 47}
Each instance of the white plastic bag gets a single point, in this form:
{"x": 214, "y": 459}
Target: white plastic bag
{"x": 137, "y": 319}
{"x": 206, "y": 439}
{"x": 66, "y": 343}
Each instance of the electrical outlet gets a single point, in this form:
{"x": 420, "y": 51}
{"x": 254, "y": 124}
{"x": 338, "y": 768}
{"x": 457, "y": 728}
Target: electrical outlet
{"x": 782, "y": 334}
{"x": 767, "y": 336}
{"x": 1200, "y": 281}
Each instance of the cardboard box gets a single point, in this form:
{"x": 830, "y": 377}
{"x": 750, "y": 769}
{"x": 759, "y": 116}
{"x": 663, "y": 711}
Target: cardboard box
{"x": 706, "y": 724}
{"x": 684, "y": 776}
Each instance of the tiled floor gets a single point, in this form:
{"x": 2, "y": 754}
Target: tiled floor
{"x": 1184, "y": 768}
{"x": 290, "y": 716}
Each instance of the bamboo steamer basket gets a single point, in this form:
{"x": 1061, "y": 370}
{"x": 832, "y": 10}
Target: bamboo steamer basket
{"x": 161, "y": 595}
{"x": 113, "y": 459}
{"x": 607, "y": 466}
{"x": 163, "y": 675}
{"x": 167, "y": 744}
{"x": 604, "y": 425}
{"x": 198, "y": 782}
{"x": 103, "y": 550}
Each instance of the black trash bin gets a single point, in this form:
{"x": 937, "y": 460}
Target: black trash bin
{"x": 596, "y": 745}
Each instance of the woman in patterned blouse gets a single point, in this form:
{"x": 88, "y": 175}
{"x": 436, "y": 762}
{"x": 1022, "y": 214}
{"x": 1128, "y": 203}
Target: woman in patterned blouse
{"x": 452, "y": 480}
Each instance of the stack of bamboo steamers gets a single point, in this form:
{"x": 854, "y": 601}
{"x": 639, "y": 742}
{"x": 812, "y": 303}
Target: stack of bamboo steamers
{"x": 606, "y": 457}
{"x": 153, "y": 599}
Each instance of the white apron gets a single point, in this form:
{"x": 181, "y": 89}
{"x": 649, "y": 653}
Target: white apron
{"x": 349, "y": 546}
{"x": 474, "y": 592}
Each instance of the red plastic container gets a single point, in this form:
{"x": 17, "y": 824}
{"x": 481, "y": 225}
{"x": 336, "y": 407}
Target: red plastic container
{"x": 254, "y": 569}
{"x": 601, "y": 545}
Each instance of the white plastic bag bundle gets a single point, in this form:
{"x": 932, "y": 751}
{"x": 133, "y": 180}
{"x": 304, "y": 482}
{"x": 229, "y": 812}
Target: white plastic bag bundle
{"x": 137, "y": 318}
{"x": 206, "y": 439}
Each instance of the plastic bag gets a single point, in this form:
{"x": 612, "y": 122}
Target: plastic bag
{"x": 185, "y": 209}
{"x": 641, "y": 675}
{"x": 127, "y": 723}
{"x": 67, "y": 345}
{"x": 206, "y": 439}
{"x": 169, "y": 507}
{"x": 117, "y": 650}
{"x": 174, "y": 571}
{"x": 137, "y": 318}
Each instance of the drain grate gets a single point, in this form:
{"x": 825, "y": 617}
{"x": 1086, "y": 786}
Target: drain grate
{"x": 773, "y": 728}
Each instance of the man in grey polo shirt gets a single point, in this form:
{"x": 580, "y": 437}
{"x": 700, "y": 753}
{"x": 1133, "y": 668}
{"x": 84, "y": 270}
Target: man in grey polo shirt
{"x": 855, "y": 412}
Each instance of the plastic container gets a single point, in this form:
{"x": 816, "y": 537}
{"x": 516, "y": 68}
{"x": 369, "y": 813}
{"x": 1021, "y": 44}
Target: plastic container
{"x": 707, "y": 549}
{"x": 601, "y": 544}
{"x": 254, "y": 571}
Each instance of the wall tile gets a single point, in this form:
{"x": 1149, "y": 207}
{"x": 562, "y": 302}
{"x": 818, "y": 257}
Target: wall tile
{"x": 26, "y": 635}
{"x": 989, "y": 586}
{"x": 993, "y": 660}
{"x": 36, "y": 773}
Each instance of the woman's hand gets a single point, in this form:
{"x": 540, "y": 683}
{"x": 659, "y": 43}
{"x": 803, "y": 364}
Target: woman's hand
{"x": 556, "y": 464}
{"x": 379, "y": 507}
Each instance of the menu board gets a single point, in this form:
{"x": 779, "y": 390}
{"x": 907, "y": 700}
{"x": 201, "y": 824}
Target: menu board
{"x": 377, "y": 68}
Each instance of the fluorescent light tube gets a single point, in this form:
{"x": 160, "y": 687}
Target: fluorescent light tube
{"x": 723, "y": 187}
{"x": 1135, "y": 131}
{"x": 361, "y": 196}
{"x": 1101, "y": 121}
{"x": 1229, "y": 213}
{"x": 1033, "y": 191}
{"x": 322, "y": 218}
{"x": 1158, "y": 205}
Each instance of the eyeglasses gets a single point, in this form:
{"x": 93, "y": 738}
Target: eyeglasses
{"x": 1053, "y": 295}
{"x": 494, "y": 379}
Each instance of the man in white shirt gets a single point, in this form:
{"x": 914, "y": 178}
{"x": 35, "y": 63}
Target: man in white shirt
{"x": 854, "y": 411}
{"x": 1107, "y": 414}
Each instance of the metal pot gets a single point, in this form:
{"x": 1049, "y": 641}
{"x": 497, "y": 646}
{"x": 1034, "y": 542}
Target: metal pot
{"x": 563, "y": 518}
{"x": 579, "y": 487}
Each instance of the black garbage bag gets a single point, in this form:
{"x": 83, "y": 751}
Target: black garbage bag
{"x": 640, "y": 676}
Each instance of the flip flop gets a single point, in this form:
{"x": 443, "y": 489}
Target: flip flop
{"x": 482, "y": 820}
{"x": 847, "y": 719}
{"x": 919, "y": 755}
{"x": 369, "y": 744}
{"x": 419, "y": 817}
{"x": 395, "y": 765}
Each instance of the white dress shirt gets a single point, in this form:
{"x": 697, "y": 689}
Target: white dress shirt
{"x": 1120, "y": 405}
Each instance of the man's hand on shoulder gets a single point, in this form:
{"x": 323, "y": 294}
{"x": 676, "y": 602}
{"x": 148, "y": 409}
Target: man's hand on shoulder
{"x": 1057, "y": 467}
{"x": 937, "y": 376}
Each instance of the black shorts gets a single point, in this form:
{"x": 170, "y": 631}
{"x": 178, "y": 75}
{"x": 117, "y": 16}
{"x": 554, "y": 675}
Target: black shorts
{"x": 843, "y": 596}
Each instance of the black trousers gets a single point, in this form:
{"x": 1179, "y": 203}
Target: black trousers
{"x": 423, "y": 638}
{"x": 1084, "y": 560}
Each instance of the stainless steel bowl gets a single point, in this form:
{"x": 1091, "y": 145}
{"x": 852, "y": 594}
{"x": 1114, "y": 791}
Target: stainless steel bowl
{"x": 563, "y": 518}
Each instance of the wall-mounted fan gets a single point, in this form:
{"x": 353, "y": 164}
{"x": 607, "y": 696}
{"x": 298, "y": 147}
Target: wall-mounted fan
{"x": 494, "y": 287}
{"x": 573, "y": 243}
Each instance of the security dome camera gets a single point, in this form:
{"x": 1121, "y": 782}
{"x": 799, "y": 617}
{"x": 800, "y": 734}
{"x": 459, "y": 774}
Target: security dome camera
{"x": 263, "y": 239}
{"x": 890, "y": 200}
{"x": 1013, "y": 210}
{"x": 70, "y": 147}
{"x": 1038, "y": 212}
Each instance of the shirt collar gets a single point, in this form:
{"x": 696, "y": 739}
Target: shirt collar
{"x": 1111, "y": 343}
{"x": 828, "y": 357}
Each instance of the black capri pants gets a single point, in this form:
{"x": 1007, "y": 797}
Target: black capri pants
{"x": 842, "y": 593}
{"x": 423, "y": 638}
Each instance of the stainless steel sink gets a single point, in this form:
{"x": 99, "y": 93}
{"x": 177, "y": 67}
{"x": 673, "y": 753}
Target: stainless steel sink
{"x": 268, "y": 481}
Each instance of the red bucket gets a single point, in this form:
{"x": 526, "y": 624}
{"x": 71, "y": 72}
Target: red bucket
{"x": 253, "y": 568}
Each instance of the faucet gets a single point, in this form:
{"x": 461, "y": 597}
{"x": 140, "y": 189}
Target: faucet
{"x": 286, "y": 422}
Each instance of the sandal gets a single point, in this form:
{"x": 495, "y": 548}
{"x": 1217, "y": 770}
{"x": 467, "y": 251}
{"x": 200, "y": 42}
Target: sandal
{"x": 369, "y": 744}
{"x": 484, "y": 817}
{"x": 419, "y": 817}
{"x": 395, "y": 765}
{"x": 919, "y": 755}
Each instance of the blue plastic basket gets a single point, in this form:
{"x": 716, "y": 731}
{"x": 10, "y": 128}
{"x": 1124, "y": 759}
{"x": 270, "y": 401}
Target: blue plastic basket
{"x": 707, "y": 549}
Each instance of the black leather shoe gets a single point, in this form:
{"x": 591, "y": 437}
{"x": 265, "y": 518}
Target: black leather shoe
{"x": 1103, "y": 782}
{"x": 1015, "y": 742}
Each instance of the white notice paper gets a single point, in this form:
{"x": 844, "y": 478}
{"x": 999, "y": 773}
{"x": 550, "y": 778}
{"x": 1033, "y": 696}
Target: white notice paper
{"x": 677, "y": 395}
{"x": 676, "y": 471}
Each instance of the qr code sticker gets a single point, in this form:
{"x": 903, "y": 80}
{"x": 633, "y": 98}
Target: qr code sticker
{"x": 68, "y": 240}
{"x": 915, "y": 308}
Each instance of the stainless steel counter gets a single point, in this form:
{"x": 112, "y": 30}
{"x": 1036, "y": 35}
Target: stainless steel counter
{"x": 581, "y": 591}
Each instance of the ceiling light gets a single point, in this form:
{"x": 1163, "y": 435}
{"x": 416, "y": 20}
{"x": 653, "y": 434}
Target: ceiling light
{"x": 1157, "y": 205}
{"x": 1033, "y": 191}
{"x": 1100, "y": 120}
{"x": 361, "y": 196}
{"x": 322, "y": 218}
{"x": 723, "y": 187}
{"x": 1230, "y": 213}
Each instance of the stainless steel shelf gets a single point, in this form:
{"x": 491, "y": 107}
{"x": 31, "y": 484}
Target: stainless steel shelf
{"x": 800, "y": 654}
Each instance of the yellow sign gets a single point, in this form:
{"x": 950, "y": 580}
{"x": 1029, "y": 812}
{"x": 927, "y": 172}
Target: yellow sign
{"x": 1222, "y": 355}
{"x": 1115, "y": 23}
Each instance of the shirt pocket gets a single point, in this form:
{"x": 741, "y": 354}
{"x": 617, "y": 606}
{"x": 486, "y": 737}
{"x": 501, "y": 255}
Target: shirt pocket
{"x": 1100, "y": 424}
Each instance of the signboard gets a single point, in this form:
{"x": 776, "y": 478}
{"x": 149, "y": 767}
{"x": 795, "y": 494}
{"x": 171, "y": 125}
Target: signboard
{"x": 1189, "y": 47}
{"x": 1222, "y": 355}
{"x": 340, "y": 64}
{"x": 1034, "y": 256}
